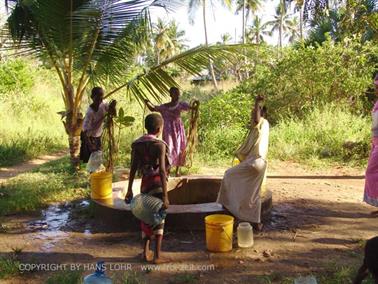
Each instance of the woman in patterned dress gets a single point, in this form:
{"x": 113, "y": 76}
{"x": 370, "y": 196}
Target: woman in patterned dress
{"x": 173, "y": 131}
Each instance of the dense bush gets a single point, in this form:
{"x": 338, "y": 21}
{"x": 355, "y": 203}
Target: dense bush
{"x": 15, "y": 76}
{"x": 302, "y": 78}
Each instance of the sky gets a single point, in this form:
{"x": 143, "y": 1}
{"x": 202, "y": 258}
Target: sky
{"x": 220, "y": 20}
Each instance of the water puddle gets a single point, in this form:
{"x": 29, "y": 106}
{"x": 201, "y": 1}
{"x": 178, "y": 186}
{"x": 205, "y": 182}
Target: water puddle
{"x": 56, "y": 224}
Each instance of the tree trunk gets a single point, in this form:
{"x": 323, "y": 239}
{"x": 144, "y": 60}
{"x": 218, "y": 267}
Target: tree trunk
{"x": 211, "y": 68}
{"x": 73, "y": 126}
{"x": 301, "y": 22}
{"x": 280, "y": 33}
{"x": 243, "y": 24}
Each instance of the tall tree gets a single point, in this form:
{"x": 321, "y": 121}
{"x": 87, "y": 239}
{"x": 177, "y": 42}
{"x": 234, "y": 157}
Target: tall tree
{"x": 194, "y": 5}
{"x": 293, "y": 29}
{"x": 257, "y": 30}
{"x": 225, "y": 38}
{"x": 280, "y": 23}
{"x": 248, "y": 8}
{"x": 168, "y": 39}
{"x": 95, "y": 41}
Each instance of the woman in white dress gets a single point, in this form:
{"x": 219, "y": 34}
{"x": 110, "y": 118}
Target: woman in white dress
{"x": 241, "y": 185}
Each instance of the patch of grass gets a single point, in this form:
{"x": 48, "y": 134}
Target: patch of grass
{"x": 323, "y": 136}
{"x": 66, "y": 277}
{"x": 185, "y": 278}
{"x": 9, "y": 266}
{"x": 131, "y": 277}
{"x": 48, "y": 184}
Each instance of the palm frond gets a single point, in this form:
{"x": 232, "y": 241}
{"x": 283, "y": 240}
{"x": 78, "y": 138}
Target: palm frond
{"x": 156, "y": 81}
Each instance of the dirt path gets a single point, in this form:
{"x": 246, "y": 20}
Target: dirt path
{"x": 318, "y": 222}
{"x": 9, "y": 172}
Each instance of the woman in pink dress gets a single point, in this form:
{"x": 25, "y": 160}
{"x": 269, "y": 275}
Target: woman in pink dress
{"x": 173, "y": 131}
{"x": 371, "y": 176}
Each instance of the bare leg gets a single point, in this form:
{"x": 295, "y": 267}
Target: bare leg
{"x": 148, "y": 255}
{"x": 361, "y": 274}
{"x": 177, "y": 171}
{"x": 158, "y": 259}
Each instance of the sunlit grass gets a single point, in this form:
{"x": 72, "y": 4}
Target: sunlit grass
{"x": 51, "y": 183}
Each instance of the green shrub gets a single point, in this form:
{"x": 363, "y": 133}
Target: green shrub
{"x": 16, "y": 76}
{"x": 325, "y": 133}
{"x": 303, "y": 78}
{"x": 9, "y": 266}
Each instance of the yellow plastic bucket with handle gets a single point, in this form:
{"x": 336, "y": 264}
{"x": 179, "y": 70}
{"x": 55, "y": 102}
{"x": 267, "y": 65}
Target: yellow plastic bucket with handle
{"x": 101, "y": 185}
{"x": 219, "y": 231}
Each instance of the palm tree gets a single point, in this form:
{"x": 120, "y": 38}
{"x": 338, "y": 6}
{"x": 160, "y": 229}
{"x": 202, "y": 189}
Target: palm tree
{"x": 299, "y": 5}
{"x": 280, "y": 23}
{"x": 168, "y": 39}
{"x": 225, "y": 38}
{"x": 257, "y": 31}
{"x": 248, "y": 7}
{"x": 193, "y": 6}
{"x": 95, "y": 42}
{"x": 293, "y": 29}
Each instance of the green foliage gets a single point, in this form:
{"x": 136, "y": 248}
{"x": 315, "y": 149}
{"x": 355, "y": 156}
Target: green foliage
{"x": 223, "y": 121}
{"x": 16, "y": 77}
{"x": 9, "y": 266}
{"x": 65, "y": 277}
{"x": 306, "y": 77}
{"x": 53, "y": 182}
{"x": 329, "y": 133}
{"x": 29, "y": 124}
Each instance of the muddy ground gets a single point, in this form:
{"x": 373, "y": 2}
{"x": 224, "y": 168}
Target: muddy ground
{"x": 318, "y": 222}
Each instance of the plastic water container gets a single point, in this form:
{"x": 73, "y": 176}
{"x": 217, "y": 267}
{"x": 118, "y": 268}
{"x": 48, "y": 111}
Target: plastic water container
{"x": 148, "y": 209}
{"x": 99, "y": 276}
{"x": 95, "y": 162}
{"x": 245, "y": 235}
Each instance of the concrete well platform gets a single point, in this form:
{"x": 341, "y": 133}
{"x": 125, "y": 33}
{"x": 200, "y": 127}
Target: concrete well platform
{"x": 191, "y": 198}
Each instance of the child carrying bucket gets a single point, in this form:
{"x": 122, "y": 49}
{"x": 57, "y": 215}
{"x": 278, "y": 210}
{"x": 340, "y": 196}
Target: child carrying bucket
{"x": 149, "y": 156}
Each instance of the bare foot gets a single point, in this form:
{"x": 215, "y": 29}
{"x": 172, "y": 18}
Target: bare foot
{"x": 161, "y": 260}
{"x": 148, "y": 256}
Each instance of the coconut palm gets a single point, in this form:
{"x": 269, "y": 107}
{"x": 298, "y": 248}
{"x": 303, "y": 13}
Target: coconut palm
{"x": 194, "y": 5}
{"x": 247, "y": 7}
{"x": 225, "y": 39}
{"x": 96, "y": 42}
{"x": 293, "y": 29}
{"x": 168, "y": 39}
{"x": 257, "y": 31}
{"x": 280, "y": 23}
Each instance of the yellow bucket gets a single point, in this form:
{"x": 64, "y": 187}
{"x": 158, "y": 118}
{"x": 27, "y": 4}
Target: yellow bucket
{"x": 101, "y": 185}
{"x": 219, "y": 229}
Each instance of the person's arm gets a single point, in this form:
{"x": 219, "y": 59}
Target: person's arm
{"x": 133, "y": 169}
{"x": 149, "y": 105}
{"x": 163, "y": 175}
{"x": 257, "y": 111}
